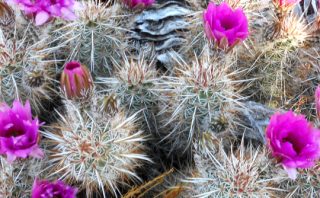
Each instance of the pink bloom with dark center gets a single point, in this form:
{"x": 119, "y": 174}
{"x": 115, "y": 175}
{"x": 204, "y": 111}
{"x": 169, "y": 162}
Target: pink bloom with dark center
{"x": 46, "y": 189}
{"x": 19, "y": 132}
{"x": 75, "y": 79}
{"x": 45, "y": 10}
{"x": 293, "y": 141}
{"x": 317, "y": 101}
{"x": 224, "y": 25}
{"x": 138, "y": 3}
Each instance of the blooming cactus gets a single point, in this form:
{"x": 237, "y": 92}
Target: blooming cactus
{"x": 225, "y": 26}
{"x": 43, "y": 188}
{"x": 18, "y": 132}
{"x": 293, "y": 141}
{"x": 44, "y": 10}
{"x": 75, "y": 79}
{"x": 138, "y": 3}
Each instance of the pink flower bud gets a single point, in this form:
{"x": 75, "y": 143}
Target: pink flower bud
{"x": 75, "y": 80}
{"x": 225, "y": 26}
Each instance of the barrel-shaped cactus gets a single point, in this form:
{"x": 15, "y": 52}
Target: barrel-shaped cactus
{"x": 198, "y": 102}
{"x": 98, "y": 152}
{"x": 243, "y": 172}
{"x": 137, "y": 88}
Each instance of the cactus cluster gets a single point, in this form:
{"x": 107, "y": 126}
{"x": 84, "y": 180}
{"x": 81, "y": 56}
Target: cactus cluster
{"x": 94, "y": 151}
{"x": 146, "y": 98}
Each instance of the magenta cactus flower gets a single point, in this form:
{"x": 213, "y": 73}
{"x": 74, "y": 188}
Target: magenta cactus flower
{"x": 19, "y": 132}
{"x": 138, "y": 3}
{"x": 75, "y": 79}
{"x": 293, "y": 141}
{"x": 225, "y": 26}
{"x": 46, "y": 189}
{"x": 45, "y": 10}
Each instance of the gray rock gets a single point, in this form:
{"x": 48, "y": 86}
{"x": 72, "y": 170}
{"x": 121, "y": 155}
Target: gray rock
{"x": 164, "y": 11}
{"x": 308, "y": 8}
{"x": 253, "y": 120}
{"x": 163, "y": 27}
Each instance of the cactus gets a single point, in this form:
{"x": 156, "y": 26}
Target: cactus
{"x": 278, "y": 45}
{"x": 17, "y": 179}
{"x": 306, "y": 185}
{"x": 200, "y": 99}
{"x": 95, "y": 151}
{"x": 93, "y": 38}
{"x": 137, "y": 88}
{"x": 293, "y": 34}
{"x": 169, "y": 87}
{"x": 242, "y": 172}
{"x": 25, "y": 73}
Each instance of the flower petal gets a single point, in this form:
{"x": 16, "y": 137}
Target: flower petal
{"x": 41, "y": 18}
{"x": 37, "y": 153}
{"x": 68, "y": 14}
{"x": 292, "y": 172}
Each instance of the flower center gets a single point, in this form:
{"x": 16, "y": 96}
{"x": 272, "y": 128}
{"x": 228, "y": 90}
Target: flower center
{"x": 294, "y": 142}
{"x": 13, "y": 133}
{"x": 53, "y": 2}
{"x": 16, "y": 133}
{"x": 228, "y": 23}
{"x": 72, "y": 65}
